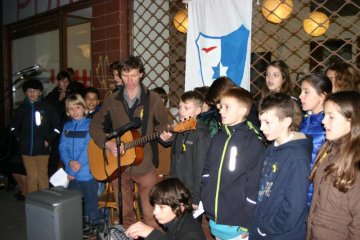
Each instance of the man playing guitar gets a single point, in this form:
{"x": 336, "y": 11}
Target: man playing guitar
{"x": 119, "y": 108}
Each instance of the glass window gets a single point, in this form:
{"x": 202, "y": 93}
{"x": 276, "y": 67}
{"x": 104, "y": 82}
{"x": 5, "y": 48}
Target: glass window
{"x": 79, "y": 51}
{"x": 41, "y": 49}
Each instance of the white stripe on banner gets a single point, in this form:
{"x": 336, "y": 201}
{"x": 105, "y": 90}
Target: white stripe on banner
{"x": 218, "y": 42}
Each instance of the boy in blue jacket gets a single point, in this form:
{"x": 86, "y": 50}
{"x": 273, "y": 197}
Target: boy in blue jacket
{"x": 74, "y": 154}
{"x": 232, "y": 172}
{"x": 281, "y": 209}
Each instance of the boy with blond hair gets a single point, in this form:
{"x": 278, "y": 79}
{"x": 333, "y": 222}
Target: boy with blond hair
{"x": 281, "y": 208}
{"x": 73, "y": 149}
{"x": 233, "y": 168}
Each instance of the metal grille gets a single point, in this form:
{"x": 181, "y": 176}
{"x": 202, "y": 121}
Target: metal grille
{"x": 163, "y": 48}
{"x": 303, "y": 53}
{"x": 160, "y": 46}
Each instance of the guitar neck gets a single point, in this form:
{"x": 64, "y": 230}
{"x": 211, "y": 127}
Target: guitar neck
{"x": 141, "y": 141}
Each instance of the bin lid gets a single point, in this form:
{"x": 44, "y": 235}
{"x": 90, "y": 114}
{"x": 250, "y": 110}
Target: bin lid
{"x": 53, "y": 196}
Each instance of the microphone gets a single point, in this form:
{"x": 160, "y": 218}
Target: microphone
{"x": 34, "y": 67}
{"x": 118, "y": 132}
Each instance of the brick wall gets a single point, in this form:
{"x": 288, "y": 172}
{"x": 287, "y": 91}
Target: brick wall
{"x": 110, "y": 40}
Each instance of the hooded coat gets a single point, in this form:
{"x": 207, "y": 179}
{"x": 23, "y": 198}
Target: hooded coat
{"x": 281, "y": 210}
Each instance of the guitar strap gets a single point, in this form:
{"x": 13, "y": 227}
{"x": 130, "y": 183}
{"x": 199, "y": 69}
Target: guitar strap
{"x": 153, "y": 144}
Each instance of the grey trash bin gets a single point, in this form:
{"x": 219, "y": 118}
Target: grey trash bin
{"x": 54, "y": 214}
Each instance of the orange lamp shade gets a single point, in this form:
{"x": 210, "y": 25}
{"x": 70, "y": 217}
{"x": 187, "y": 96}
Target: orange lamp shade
{"x": 181, "y": 20}
{"x": 316, "y": 24}
{"x": 276, "y": 11}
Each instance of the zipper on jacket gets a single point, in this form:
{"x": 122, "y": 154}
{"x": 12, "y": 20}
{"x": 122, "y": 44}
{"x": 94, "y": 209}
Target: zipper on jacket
{"x": 219, "y": 174}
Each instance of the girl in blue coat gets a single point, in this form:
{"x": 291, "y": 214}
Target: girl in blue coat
{"x": 74, "y": 154}
{"x": 314, "y": 89}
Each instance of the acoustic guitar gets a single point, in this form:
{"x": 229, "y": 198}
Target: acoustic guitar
{"x": 104, "y": 167}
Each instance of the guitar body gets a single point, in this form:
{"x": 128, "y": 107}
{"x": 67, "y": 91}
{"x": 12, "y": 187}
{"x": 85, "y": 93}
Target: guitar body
{"x": 132, "y": 143}
{"x": 139, "y": 151}
{"x": 101, "y": 170}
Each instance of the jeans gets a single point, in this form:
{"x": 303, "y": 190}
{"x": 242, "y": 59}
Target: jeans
{"x": 101, "y": 188}
{"x": 90, "y": 204}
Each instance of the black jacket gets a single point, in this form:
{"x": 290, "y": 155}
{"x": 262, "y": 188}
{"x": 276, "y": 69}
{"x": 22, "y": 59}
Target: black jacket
{"x": 231, "y": 175}
{"x": 35, "y": 123}
{"x": 53, "y": 99}
{"x": 189, "y": 150}
{"x": 183, "y": 228}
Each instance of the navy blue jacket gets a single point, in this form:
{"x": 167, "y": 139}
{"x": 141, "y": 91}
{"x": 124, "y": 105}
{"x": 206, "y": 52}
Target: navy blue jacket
{"x": 74, "y": 142}
{"x": 231, "y": 175}
{"x": 33, "y": 124}
{"x": 281, "y": 210}
{"x": 312, "y": 125}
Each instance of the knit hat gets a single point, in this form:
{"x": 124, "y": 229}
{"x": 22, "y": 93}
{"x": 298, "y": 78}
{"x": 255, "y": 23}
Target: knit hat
{"x": 32, "y": 83}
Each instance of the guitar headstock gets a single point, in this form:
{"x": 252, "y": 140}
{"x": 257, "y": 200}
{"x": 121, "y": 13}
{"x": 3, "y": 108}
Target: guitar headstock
{"x": 186, "y": 125}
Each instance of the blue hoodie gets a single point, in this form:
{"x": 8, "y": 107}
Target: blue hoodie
{"x": 281, "y": 211}
{"x": 74, "y": 142}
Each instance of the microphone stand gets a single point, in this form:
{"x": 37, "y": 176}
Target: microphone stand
{"x": 117, "y": 139}
{"x": 10, "y": 89}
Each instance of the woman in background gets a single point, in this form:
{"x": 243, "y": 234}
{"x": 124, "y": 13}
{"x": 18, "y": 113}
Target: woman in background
{"x": 277, "y": 79}
{"x": 344, "y": 77}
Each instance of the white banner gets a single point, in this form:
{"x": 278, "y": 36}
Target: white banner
{"x": 218, "y": 42}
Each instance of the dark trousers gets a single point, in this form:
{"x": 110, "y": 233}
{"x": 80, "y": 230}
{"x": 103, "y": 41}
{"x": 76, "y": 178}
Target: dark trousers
{"x": 145, "y": 184}
{"x": 90, "y": 204}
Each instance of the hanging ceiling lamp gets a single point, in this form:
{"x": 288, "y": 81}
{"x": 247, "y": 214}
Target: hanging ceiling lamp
{"x": 316, "y": 24}
{"x": 276, "y": 11}
{"x": 181, "y": 20}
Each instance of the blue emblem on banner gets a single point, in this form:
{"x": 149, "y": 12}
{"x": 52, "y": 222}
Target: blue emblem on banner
{"x": 223, "y": 56}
